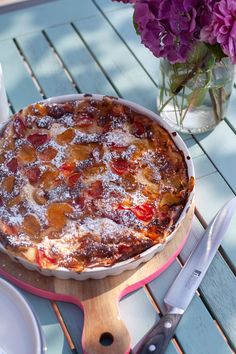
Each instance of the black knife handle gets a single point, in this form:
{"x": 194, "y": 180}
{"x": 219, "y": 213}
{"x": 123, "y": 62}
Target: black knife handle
{"x": 159, "y": 336}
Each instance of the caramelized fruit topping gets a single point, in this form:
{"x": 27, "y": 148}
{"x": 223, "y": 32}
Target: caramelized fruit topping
{"x": 8, "y": 183}
{"x": 66, "y": 137}
{"x": 27, "y": 154}
{"x": 31, "y": 225}
{"x": 57, "y": 214}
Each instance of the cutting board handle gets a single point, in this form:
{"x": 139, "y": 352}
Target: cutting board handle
{"x": 104, "y": 332}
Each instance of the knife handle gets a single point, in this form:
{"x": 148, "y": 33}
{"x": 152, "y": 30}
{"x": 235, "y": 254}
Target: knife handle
{"x": 159, "y": 336}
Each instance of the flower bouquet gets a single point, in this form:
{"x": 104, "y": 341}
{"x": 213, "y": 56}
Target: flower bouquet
{"x": 196, "y": 41}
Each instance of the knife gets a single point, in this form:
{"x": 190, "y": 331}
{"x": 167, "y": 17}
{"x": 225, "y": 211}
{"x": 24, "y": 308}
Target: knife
{"x": 183, "y": 289}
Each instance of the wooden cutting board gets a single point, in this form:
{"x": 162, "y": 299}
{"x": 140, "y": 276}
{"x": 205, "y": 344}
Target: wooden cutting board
{"x": 99, "y": 298}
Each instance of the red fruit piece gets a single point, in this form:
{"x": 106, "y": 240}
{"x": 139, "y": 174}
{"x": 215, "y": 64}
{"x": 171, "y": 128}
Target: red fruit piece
{"x": 37, "y": 139}
{"x": 119, "y": 166}
{"x": 33, "y": 174}
{"x": 84, "y": 120}
{"x": 45, "y": 261}
{"x": 144, "y": 212}
{"x": 96, "y": 189}
{"x": 19, "y": 127}
{"x": 68, "y": 107}
{"x": 80, "y": 200}
{"x": 73, "y": 179}
{"x": 55, "y": 110}
{"x": 118, "y": 148}
{"x": 12, "y": 165}
{"x": 124, "y": 249}
{"x": 67, "y": 168}
{"x": 138, "y": 129}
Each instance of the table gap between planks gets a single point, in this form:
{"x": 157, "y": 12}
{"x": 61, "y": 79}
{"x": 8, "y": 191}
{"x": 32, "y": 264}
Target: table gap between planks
{"x": 68, "y": 46}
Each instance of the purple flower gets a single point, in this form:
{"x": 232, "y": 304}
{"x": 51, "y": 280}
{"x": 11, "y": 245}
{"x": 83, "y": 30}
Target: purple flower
{"x": 222, "y": 29}
{"x": 170, "y": 28}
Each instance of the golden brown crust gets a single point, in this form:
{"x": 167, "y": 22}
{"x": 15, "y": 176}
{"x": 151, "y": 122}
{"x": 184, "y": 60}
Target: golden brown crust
{"x": 87, "y": 183}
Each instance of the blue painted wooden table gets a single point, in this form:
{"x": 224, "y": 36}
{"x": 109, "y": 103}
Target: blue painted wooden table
{"x": 68, "y": 46}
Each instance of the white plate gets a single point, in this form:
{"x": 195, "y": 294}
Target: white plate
{"x": 19, "y": 332}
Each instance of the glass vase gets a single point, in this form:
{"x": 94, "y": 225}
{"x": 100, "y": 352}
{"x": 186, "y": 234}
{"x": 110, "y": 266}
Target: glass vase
{"x": 193, "y": 96}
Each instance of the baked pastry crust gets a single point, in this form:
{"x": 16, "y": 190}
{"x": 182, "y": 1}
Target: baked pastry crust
{"x": 87, "y": 183}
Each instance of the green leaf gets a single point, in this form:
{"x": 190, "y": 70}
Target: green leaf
{"x": 135, "y": 26}
{"x": 176, "y": 82}
{"x": 198, "y": 55}
{"x": 196, "y": 98}
{"x": 209, "y": 63}
{"x": 216, "y": 51}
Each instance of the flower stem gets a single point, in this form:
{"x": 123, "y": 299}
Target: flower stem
{"x": 166, "y": 102}
{"x": 220, "y": 102}
{"x": 214, "y": 105}
{"x": 176, "y": 108}
{"x": 182, "y": 105}
{"x": 190, "y": 75}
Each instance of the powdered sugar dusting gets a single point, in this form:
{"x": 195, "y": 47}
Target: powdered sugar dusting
{"x": 138, "y": 198}
{"x": 14, "y": 218}
{"x": 82, "y": 137}
{"x": 60, "y": 157}
{"x": 94, "y": 203}
{"x": 31, "y": 205}
{"x": 101, "y": 226}
{"x": 117, "y": 138}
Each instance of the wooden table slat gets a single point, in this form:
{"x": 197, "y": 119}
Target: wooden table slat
{"x": 194, "y": 148}
{"x": 218, "y": 287}
{"x": 219, "y": 291}
{"x": 120, "y": 65}
{"x": 123, "y": 23}
{"x": 19, "y": 85}
{"x": 36, "y": 18}
{"x": 222, "y": 153}
{"x": 83, "y": 68}
{"x": 211, "y": 194}
{"x": 50, "y": 74}
{"x": 231, "y": 116}
{"x": 203, "y": 166}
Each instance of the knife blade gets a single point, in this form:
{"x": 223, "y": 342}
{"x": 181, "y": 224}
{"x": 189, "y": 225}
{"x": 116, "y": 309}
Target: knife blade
{"x": 181, "y": 292}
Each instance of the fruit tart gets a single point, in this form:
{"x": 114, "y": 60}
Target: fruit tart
{"x": 88, "y": 183}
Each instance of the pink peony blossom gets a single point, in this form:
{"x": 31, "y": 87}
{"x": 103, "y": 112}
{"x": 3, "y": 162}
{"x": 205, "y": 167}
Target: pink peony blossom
{"x": 222, "y": 29}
